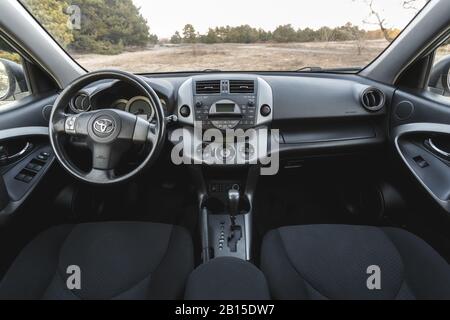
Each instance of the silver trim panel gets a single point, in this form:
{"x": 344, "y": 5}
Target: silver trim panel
{"x": 186, "y": 97}
{"x": 265, "y": 96}
{"x": 23, "y": 132}
{"x": 420, "y": 128}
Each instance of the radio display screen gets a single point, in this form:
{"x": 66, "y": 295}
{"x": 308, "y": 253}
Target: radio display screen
{"x": 225, "y": 107}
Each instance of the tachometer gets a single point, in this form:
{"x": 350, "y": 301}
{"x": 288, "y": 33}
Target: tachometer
{"x": 140, "y": 106}
{"x": 120, "y": 104}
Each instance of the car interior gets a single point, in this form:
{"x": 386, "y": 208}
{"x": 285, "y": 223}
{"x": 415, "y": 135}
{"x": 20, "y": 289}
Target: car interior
{"x": 337, "y": 172}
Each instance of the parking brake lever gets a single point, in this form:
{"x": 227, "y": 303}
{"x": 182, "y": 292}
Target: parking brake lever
{"x": 235, "y": 230}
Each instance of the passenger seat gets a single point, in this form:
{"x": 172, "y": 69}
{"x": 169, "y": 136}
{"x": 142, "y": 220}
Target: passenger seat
{"x": 352, "y": 262}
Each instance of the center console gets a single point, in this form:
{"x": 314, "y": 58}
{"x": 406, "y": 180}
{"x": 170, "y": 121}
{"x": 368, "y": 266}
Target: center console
{"x": 225, "y": 121}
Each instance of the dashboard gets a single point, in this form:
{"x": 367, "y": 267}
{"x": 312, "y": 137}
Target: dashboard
{"x": 313, "y": 114}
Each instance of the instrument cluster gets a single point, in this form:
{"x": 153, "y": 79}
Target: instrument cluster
{"x": 138, "y": 105}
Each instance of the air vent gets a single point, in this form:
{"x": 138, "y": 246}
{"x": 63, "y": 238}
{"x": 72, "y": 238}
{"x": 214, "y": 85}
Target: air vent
{"x": 207, "y": 87}
{"x": 80, "y": 103}
{"x": 373, "y": 99}
{"x": 242, "y": 86}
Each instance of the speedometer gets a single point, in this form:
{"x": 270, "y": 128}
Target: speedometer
{"x": 140, "y": 106}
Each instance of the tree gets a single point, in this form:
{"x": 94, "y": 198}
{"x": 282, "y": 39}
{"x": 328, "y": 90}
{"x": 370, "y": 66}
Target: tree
{"x": 189, "y": 34}
{"x": 306, "y": 35}
{"x": 242, "y": 34}
{"x": 176, "y": 38}
{"x": 264, "y": 36}
{"x": 51, "y": 14}
{"x": 376, "y": 15}
{"x": 326, "y": 34}
{"x": 285, "y": 33}
{"x": 381, "y": 22}
{"x": 153, "y": 39}
{"x": 414, "y": 4}
{"x": 211, "y": 37}
{"x": 107, "y": 26}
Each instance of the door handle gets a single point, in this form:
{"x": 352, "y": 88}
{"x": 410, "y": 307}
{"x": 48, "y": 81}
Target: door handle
{"x": 5, "y": 158}
{"x": 436, "y": 149}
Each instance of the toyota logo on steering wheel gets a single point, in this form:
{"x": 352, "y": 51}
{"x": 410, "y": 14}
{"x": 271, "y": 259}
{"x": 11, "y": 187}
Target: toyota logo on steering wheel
{"x": 104, "y": 126}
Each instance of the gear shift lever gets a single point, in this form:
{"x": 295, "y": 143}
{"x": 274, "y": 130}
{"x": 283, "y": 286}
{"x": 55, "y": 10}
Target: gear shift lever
{"x": 235, "y": 230}
{"x": 233, "y": 204}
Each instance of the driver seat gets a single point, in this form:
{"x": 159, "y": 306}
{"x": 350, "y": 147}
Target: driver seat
{"x": 116, "y": 260}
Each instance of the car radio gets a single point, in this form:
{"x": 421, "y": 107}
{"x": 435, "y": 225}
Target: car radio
{"x": 238, "y": 111}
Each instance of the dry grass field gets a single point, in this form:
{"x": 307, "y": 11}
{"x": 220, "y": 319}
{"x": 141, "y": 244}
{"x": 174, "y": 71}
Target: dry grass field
{"x": 233, "y": 57}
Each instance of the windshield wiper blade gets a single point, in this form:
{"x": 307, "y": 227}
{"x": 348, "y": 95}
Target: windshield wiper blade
{"x": 211, "y": 70}
{"x": 331, "y": 70}
{"x": 309, "y": 69}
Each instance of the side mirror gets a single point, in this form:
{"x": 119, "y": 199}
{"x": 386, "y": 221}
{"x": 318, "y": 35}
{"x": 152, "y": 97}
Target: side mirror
{"x": 12, "y": 79}
{"x": 440, "y": 76}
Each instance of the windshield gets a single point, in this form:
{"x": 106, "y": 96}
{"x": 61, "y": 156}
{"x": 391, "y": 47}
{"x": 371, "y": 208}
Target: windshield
{"x": 145, "y": 36}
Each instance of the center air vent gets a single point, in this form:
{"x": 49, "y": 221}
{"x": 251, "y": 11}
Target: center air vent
{"x": 207, "y": 87}
{"x": 373, "y": 99}
{"x": 242, "y": 86}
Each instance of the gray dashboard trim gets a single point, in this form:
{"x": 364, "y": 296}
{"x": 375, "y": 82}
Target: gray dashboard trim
{"x": 321, "y": 97}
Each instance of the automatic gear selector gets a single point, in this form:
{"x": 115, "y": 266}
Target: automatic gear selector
{"x": 235, "y": 230}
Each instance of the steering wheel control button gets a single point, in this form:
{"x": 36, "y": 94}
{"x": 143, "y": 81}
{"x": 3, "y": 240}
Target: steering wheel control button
{"x": 70, "y": 124}
{"x": 185, "y": 111}
{"x": 104, "y": 126}
{"x": 265, "y": 110}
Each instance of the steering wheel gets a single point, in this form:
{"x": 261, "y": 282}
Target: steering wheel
{"x": 108, "y": 133}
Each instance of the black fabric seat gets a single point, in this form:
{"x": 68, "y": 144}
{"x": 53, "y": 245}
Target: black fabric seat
{"x": 331, "y": 261}
{"x": 117, "y": 260}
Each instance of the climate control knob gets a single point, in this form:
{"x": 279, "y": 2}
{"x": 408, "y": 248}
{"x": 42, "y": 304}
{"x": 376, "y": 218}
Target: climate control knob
{"x": 265, "y": 110}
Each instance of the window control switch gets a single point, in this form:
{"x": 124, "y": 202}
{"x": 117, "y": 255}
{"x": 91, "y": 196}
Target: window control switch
{"x": 20, "y": 177}
{"x": 25, "y": 176}
{"x": 421, "y": 162}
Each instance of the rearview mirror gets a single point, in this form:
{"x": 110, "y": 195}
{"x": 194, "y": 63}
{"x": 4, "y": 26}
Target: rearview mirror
{"x": 440, "y": 76}
{"x": 12, "y": 79}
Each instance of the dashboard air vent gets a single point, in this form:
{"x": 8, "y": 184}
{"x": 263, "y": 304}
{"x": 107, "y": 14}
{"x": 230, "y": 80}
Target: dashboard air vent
{"x": 207, "y": 87}
{"x": 242, "y": 86}
{"x": 373, "y": 99}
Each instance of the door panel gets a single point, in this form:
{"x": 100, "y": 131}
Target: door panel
{"x": 417, "y": 122}
{"x": 25, "y": 152}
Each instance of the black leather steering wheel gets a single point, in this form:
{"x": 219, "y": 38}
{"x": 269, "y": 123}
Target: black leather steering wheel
{"x": 108, "y": 133}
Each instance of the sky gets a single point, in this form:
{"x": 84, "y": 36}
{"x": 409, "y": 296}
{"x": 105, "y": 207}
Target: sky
{"x": 167, "y": 16}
